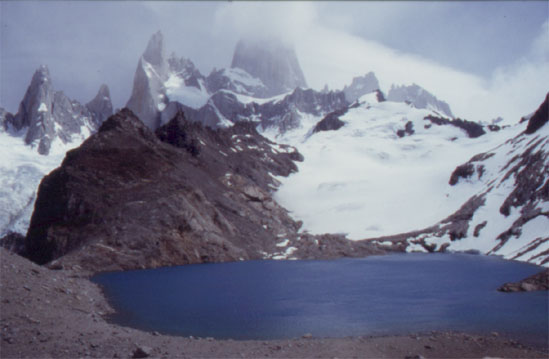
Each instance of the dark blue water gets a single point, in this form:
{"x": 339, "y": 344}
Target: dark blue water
{"x": 393, "y": 294}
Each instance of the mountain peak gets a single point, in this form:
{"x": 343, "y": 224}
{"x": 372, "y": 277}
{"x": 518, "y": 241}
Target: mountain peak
{"x": 272, "y": 61}
{"x": 154, "y": 54}
{"x": 419, "y": 98}
{"x": 42, "y": 73}
{"x": 101, "y": 105}
{"x": 360, "y": 86}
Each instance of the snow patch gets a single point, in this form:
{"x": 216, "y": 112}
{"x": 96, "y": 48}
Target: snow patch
{"x": 42, "y": 107}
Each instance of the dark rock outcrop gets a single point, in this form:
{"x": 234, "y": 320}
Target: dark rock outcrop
{"x": 272, "y": 61}
{"x": 473, "y": 129}
{"x": 129, "y": 199}
{"x": 538, "y": 281}
{"x": 13, "y": 242}
{"x": 331, "y": 121}
{"x": 408, "y": 130}
{"x": 465, "y": 170}
{"x": 540, "y": 117}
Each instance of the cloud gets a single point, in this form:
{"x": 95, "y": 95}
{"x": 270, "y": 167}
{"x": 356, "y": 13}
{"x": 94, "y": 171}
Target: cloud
{"x": 518, "y": 89}
{"x": 284, "y": 20}
{"x": 86, "y": 44}
{"x": 333, "y": 57}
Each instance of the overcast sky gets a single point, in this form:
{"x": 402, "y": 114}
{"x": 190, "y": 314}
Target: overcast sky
{"x": 485, "y": 59}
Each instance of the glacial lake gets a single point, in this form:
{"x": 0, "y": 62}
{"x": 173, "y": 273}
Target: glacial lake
{"x": 379, "y": 295}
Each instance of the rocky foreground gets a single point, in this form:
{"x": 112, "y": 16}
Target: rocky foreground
{"x": 60, "y": 314}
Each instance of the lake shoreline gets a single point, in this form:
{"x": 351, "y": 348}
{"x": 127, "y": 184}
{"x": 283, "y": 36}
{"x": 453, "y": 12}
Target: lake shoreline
{"x": 48, "y": 313}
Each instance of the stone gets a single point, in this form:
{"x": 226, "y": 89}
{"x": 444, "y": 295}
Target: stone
{"x": 142, "y": 352}
{"x": 538, "y": 281}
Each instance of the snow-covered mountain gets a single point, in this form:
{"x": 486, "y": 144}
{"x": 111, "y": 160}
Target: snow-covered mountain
{"x": 264, "y": 84}
{"x": 508, "y": 212}
{"x": 380, "y": 170}
{"x": 48, "y": 117}
{"x": 399, "y": 170}
{"x": 383, "y": 171}
{"x": 34, "y": 141}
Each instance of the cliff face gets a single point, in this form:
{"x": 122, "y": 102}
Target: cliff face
{"x": 125, "y": 199}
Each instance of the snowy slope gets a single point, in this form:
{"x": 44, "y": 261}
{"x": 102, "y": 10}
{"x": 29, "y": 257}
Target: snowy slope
{"x": 367, "y": 181}
{"x": 21, "y": 170}
{"x": 509, "y": 215}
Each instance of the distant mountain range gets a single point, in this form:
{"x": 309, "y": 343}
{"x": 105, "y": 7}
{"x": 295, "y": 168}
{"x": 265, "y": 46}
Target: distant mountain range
{"x": 205, "y": 180}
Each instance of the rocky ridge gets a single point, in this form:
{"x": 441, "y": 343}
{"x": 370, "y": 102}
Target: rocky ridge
{"x": 128, "y": 198}
{"x": 361, "y": 85}
{"x": 419, "y": 98}
{"x": 247, "y": 91}
{"x": 47, "y": 115}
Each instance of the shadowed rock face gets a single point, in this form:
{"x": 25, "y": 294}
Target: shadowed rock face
{"x": 128, "y": 199}
{"x": 540, "y": 117}
{"x": 125, "y": 199}
{"x": 271, "y": 61}
{"x": 331, "y": 121}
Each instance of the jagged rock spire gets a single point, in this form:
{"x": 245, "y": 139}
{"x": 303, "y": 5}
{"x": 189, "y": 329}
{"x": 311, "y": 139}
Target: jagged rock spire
{"x": 360, "y": 86}
{"x": 148, "y": 93}
{"x": 35, "y": 111}
{"x": 155, "y": 54}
